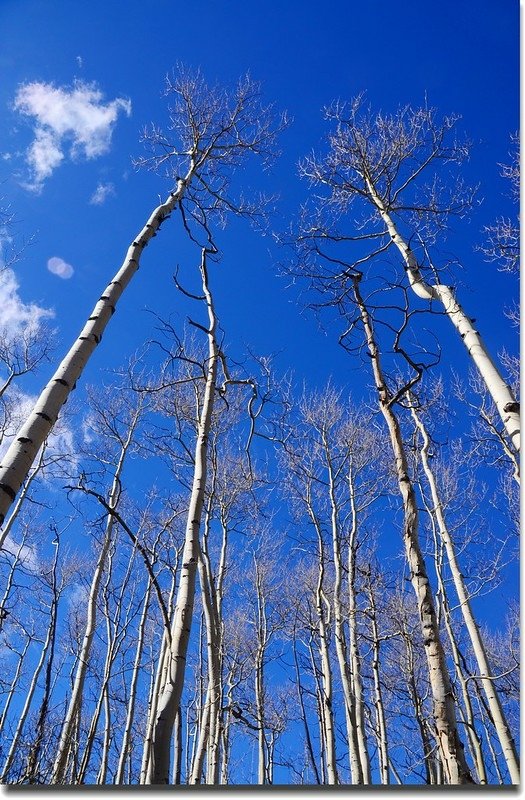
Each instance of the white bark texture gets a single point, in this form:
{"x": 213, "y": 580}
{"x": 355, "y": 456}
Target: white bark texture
{"x": 499, "y": 390}
{"x": 22, "y": 452}
{"x": 350, "y": 677}
{"x": 496, "y": 709}
{"x": 180, "y": 633}
{"x": 449, "y": 743}
{"x": 75, "y": 702}
{"x": 381, "y": 730}
{"x": 130, "y": 711}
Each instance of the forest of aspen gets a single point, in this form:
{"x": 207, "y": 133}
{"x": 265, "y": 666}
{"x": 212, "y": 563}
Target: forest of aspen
{"x": 212, "y": 572}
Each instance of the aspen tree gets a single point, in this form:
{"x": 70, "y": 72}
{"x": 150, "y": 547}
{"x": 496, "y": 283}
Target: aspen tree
{"x": 169, "y": 702}
{"x": 449, "y": 744}
{"x": 485, "y": 671}
{"x": 47, "y": 647}
{"x": 75, "y": 701}
{"x": 378, "y": 162}
{"x": 380, "y": 718}
{"x": 125, "y": 746}
{"x": 212, "y": 133}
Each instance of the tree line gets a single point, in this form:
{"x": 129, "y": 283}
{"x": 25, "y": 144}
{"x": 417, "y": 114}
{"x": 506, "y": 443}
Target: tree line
{"x": 268, "y": 585}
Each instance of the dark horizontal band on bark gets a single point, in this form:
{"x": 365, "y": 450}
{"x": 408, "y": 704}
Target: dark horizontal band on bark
{"x": 8, "y": 490}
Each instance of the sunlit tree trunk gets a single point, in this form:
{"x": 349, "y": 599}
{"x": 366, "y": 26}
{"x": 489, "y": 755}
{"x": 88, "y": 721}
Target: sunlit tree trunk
{"x": 355, "y": 659}
{"x": 499, "y": 390}
{"x": 130, "y": 712}
{"x": 325, "y": 687}
{"x": 380, "y": 717}
{"x": 40, "y": 727}
{"x": 177, "y": 750}
{"x": 75, "y": 701}
{"x": 48, "y": 646}
{"x": 321, "y": 715}
{"x": 485, "y": 673}
{"x": 181, "y": 627}
{"x": 6, "y": 530}
{"x": 157, "y": 682}
{"x": 449, "y": 743}
{"x": 350, "y": 677}
{"x": 209, "y": 737}
{"x": 19, "y": 458}
{"x": 304, "y": 717}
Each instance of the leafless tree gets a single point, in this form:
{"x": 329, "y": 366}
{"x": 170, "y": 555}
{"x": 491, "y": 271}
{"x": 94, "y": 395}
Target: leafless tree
{"x": 213, "y": 132}
{"x": 375, "y": 167}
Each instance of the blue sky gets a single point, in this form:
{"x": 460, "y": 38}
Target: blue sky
{"x": 464, "y": 58}
{"x": 82, "y": 202}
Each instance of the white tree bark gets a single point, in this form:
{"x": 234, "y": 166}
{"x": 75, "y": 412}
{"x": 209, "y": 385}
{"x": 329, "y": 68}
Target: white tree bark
{"x": 381, "y": 729}
{"x": 130, "y": 711}
{"x": 48, "y": 642}
{"x": 449, "y": 743}
{"x": 170, "y": 700}
{"x": 493, "y": 700}
{"x": 350, "y": 678}
{"x": 75, "y": 701}
{"x": 499, "y": 390}
{"x": 19, "y": 458}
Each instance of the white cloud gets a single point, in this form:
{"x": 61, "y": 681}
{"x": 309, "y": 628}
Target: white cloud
{"x": 60, "y": 267}
{"x": 101, "y": 193}
{"x": 79, "y": 61}
{"x": 64, "y": 117}
{"x": 17, "y": 317}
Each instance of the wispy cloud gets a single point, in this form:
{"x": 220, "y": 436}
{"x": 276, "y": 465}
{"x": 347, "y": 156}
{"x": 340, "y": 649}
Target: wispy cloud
{"x": 67, "y": 121}
{"x": 17, "y": 317}
{"x": 101, "y": 193}
{"x": 60, "y": 267}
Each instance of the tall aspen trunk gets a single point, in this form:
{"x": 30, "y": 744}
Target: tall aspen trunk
{"x": 320, "y": 714}
{"x": 496, "y": 709}
{"x": 359, "y": 770}
{"x": 262, "y": 637}
{"x": 110, "y": 642}
{"x": 108, "y": 735}
{"x": 262, "y": 764}
{"x": 304, "y": 718}
{"x": 6, "y": 530}
{"x": 381, "y": 730}
{"x": 75, "y": 701}
{"x": 157, "y": 682}
{"x": 130, "y": 711}
{"x": 203, "y": 729}
{"x": 36, "y": 748}
{"x": 47, "y": 646}
{"x": 482, "y": 716}
{"x": 17, "y": 461}
{"x": 325, "y": 687}
{"x": 355, "y": 659}
{"x": 449, "y": 743}
{"x": 417, "y": 705}
{"x": 177, "y": 750}
{"x": 209, "y": 736}
{"x": 225, "y": 728}
{"x": 215, "y": 646}
{"x": 499, "y": 390}
{"x": 170, "y": 700}
{"x": 326, "y": 690}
